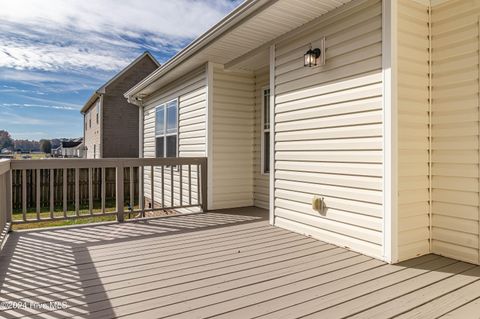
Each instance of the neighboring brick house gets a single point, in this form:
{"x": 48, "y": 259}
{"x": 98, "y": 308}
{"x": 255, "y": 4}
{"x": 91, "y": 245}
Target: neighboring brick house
{"x": 111, "y": 124}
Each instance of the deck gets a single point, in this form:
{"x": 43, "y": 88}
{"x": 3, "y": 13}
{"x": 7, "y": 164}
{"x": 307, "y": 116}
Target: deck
{"x": 228, "y": 264}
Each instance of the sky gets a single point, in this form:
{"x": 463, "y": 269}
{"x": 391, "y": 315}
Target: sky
{"x": 55, "y": 53}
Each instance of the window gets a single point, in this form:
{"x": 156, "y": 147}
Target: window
{"x": 166, "y": 129}
{"x": 98, "y": 110}
{"x": 94, "y": 150}
{"x": 90, "y": 119}
{"x": 266, "y": 131}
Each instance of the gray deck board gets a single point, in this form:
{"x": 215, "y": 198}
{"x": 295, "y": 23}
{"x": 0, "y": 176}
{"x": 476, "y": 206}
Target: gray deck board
{"x": 227, "y": 264}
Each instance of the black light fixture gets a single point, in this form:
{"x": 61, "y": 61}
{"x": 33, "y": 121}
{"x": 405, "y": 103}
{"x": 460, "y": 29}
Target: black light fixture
{"x": 311, "y": 57}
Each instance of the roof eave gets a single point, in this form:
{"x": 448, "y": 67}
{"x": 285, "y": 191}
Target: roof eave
{"x": 90, "y": 101}
{"x": 217, "y": 30}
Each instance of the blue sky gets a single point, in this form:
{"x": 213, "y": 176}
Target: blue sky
{"x": 55, "y": 53}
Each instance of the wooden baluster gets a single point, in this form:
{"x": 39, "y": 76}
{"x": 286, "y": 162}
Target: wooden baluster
{"x": 152, "y": 185}
{"x": 132, "y": 190}
{"x": 198, "y": 185}
{"x": 65, "y": 192}
{"x": 181, "y": 184}
{"x": 103, "y": 191}
{"x": 38, "y": 186}
{"x": 189, "y": 184}
{"x": 141, "y": 191}
{"x": 120, "y": 193}
{"x": 77, "y": 191}
{"x": 90, "y": 190}
{"x": 171, "y": 187}
{"x": 24, "y": 194}
{"x": 52, "y": 192}
{"x": 204, "y": 186}
{"x": 163, "y": 186}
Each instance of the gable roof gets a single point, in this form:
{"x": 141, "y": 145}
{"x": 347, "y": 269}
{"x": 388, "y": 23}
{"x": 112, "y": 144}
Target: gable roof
{"x": 101, "y": 90}
{"x": 70, "y": 144}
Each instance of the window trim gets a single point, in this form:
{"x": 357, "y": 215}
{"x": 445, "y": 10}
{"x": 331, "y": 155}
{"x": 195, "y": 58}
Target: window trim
{"x": 97, "y": 108}
{"x": 164, "y": 105}
{"x": 263, "y": 131}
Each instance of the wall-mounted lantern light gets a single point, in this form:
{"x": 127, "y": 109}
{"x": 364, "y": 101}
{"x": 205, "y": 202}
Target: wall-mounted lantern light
{"x": 311, "y": 57}
{"x": 315, "y": 56}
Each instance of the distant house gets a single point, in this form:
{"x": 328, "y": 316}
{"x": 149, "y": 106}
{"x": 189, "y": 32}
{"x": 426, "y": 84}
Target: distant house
{"x": 70, "y": 149}
{"x": 6, "y": 151}
{"x": 111, "y": 124}
{"x": 57, "y": 152}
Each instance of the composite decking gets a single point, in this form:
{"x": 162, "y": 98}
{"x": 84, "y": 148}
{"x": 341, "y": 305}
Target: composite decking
{"x": 227, "y": 264}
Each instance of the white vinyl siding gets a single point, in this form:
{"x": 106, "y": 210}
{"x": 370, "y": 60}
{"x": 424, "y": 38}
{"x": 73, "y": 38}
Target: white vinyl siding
{"x": 328, "y": 132}
{"x": 456, "y": 130}
{"x": 233, "y": 134}
{"x": 191, "y": 92}
{"x": 413, "y": 130}
{"x": 261, "y": 181}
{"x": 92, "y": 131}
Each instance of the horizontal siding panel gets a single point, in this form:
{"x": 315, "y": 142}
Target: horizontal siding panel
{"x": 233, "y": 138}
{"x": 192, "y": 96}
{"x": 339, "y": 239}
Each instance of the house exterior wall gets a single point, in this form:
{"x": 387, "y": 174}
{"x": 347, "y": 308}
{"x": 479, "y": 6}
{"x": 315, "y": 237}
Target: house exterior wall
{"x": 328, "y": 132}
{"x": 261, "y": 186}
{"x": 233, "y": 107}
{"x": 92, "y": 132}
{"x": 413, "y": 129}
{"x": 120, "y": 119}
{"x": 191, "y": 92}
{"x": 455, "y": 130}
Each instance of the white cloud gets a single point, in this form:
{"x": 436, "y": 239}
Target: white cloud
{"x": 17, "y": 119}
{"x": 179, "y": 18}
{"x": 42, "y": 106}
{"x": 42, "y": 82}
{"x": 100, "y": 35}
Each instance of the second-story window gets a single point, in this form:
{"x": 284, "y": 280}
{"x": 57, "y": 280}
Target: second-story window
{"x": 98, "y": 111}
{"x": 166, "y": 129}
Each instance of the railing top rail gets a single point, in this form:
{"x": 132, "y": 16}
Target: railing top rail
{"x": 4, "y": 166}
{"x": 98, "y": 163}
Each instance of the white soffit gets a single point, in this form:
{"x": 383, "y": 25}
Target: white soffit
{"x": 270, "y": 22}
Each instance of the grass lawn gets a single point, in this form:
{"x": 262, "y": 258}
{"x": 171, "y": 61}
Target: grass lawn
{"x": 58, "y": 212}
{"x": 33, "y": 156}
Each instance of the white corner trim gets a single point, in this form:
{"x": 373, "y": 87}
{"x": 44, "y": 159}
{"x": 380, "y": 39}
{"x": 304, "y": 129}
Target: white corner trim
{"x": 100, "y": 151}
{"x": 209, "y": 133}
{"x": 272, "y": 137}
{"x": 141, "y": 130}
{"x": 390, "y": 131}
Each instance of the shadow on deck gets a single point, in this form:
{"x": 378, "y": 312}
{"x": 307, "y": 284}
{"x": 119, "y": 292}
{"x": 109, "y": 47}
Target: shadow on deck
{"x": 224, "y": 264}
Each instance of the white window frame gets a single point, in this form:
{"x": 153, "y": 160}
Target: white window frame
{"x": 98, "y": 111}
{"x": 263, "y": 131}
{"x": 164, "y": 105}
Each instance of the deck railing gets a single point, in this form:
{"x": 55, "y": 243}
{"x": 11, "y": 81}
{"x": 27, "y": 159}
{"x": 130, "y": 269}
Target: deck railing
{"x": 5, "y": 200}
{"x": 45, "y": 188}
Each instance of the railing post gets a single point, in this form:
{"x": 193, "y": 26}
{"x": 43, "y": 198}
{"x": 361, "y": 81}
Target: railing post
{"x": 8, "y": 196}
{"x": 120, "y": 193}
{"x": 204, "y": 181}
